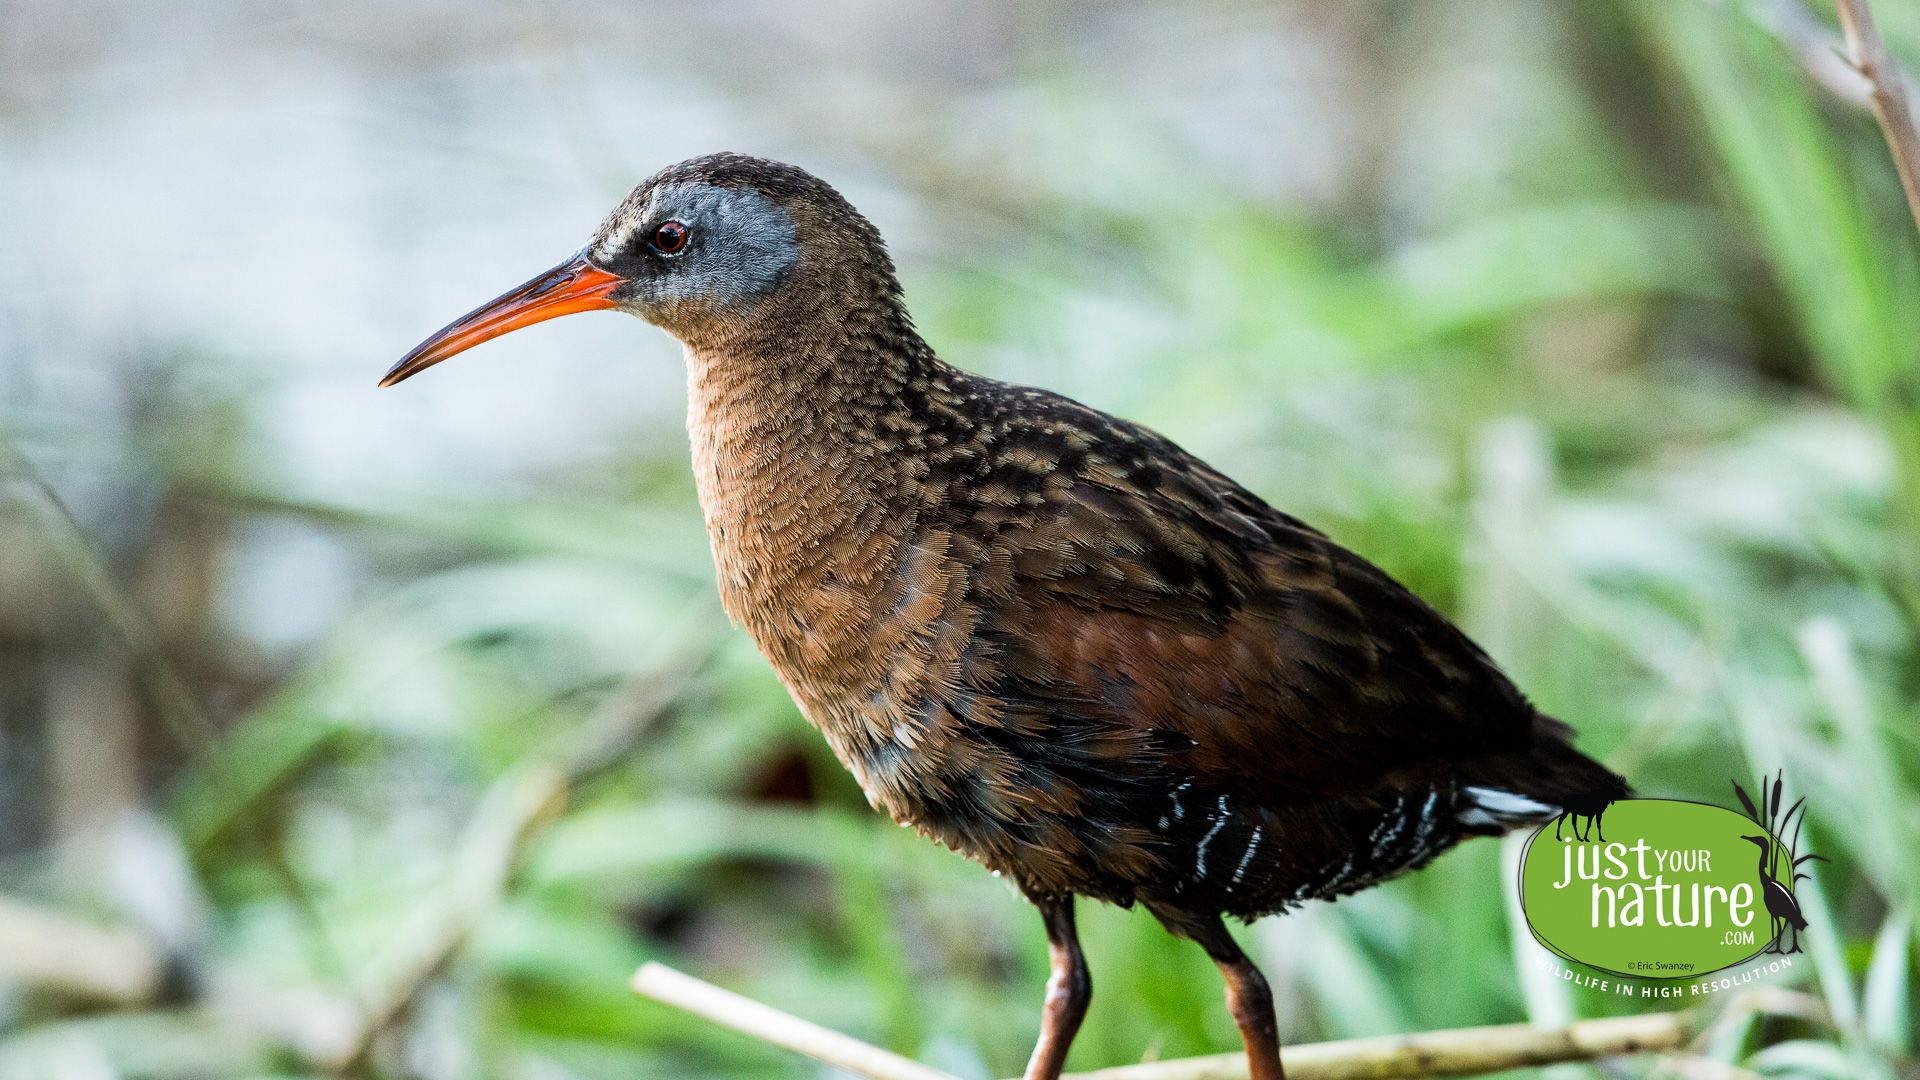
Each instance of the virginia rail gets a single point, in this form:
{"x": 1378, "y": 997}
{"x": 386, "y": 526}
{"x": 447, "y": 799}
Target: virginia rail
{"x": 1046, "y": 637}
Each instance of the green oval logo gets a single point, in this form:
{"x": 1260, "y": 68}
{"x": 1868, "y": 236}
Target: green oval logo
{"x": 1673, "y": 891}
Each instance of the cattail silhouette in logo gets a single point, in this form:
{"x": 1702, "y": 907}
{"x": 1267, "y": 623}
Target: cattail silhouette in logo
{"x": 1781, "y": 906}
{"x": 1589, "y": 805}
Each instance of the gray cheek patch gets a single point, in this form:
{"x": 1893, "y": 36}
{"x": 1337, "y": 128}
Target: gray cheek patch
{"x": 742, "y": 248}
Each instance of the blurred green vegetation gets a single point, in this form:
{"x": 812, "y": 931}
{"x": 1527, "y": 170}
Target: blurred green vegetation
{"x": 1641, "y": 409}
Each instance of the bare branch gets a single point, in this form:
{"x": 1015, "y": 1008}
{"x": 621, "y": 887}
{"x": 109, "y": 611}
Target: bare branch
{"x": 1815, "y": 45}
{"x": 1460, "y": 1052}
{"x": 1456, "y": 1052}
{"x": 1889, "y": 95}
{"x": 769, "y": 1024}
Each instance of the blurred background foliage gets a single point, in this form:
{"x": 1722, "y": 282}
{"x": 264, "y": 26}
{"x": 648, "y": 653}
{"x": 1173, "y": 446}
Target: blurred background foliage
{"x": 385, "y": 732}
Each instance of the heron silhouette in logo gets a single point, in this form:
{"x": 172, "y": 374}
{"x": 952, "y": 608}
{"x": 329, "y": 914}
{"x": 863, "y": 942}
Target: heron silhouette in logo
{"x": 1781, "y": 905}
{"x": 1589, "y": 805}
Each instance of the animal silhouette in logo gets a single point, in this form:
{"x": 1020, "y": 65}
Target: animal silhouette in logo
{"x": 1589, "y": 806}
{"x": 1782, "y": 908}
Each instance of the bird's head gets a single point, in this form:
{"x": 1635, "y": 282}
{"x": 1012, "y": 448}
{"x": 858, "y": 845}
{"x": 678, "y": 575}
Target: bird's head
{"x": 1763, "y": 841}
{"x": 717, "y": 248}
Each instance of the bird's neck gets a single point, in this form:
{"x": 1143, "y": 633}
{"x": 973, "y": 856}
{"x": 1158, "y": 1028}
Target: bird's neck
{"x": 807, "y": 488}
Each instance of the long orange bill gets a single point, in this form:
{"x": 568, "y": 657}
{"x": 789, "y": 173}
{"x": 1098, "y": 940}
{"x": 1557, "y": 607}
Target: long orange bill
{"x": 574, "y": 285}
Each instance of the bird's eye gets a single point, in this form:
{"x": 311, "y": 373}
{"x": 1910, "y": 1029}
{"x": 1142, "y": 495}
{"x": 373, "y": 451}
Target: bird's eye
{"x": 670, "y": 236}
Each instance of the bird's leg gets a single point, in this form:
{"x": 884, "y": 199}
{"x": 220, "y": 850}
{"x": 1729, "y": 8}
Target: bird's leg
{"x": 1069, "y": 989}
{"x": 1248, "y": 998}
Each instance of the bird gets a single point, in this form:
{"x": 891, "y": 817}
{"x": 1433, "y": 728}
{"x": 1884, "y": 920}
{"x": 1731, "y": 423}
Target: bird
{"x": 1047, "y": 638}
{"x": 1781, "y": 905}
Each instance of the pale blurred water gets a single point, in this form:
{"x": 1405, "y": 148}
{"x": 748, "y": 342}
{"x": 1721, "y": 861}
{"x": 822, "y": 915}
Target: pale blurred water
{"x": 298, "y": 196}
{"x": 268, "y": 205}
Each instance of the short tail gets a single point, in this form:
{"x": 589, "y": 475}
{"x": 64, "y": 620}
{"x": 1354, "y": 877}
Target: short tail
{"x": 1538, "y": 784}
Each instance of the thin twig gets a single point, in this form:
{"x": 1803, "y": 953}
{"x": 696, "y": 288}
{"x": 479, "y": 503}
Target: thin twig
{"x": 1459, "y": 1052}
{"x": 1812, "y": 42}
{"x": 1889, "y": 96}
{"x": 768, "y": 1024}
{"x": 1454, "y": 1052}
